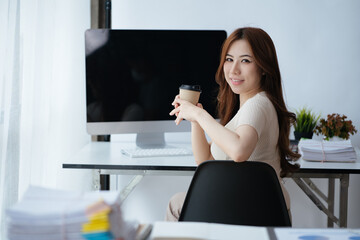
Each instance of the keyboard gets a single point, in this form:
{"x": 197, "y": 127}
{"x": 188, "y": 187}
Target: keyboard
{"x": 156, "y": 152}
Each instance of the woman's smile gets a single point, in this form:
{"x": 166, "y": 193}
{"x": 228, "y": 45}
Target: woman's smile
{"x": 236, "y": 82}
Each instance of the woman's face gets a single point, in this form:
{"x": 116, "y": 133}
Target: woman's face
{"x": 241, "y": 72}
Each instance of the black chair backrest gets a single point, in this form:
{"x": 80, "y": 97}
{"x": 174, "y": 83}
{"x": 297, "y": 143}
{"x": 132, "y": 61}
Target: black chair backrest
{"x": 246, "y": 193}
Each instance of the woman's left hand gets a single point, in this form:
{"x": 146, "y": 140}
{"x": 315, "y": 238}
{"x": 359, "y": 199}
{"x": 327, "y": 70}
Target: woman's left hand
{"x": 184, "y": 110}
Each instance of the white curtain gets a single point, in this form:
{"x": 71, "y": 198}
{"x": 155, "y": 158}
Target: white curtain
{"x": 42, "y": 95}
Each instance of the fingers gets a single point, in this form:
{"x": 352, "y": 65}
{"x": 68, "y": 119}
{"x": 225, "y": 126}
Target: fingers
{"x": 176, "y": 103}
{"x": 175, "y": 111}
{"x": 178, "y": 120}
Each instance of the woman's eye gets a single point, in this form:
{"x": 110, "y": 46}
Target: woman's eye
{"x": 228, "y": 59}
{"x": 245, "y": 61}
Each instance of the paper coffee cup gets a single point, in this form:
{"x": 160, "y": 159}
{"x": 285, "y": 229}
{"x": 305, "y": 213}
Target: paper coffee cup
{"x": 190, "y": 93}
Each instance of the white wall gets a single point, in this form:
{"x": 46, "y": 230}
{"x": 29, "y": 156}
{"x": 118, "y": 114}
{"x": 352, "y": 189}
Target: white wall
{"x": 319, "y": 54}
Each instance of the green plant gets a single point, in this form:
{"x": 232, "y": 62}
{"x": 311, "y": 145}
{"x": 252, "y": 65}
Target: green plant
{"x": 306, "y": 120}
{"x": 335, "y": 125}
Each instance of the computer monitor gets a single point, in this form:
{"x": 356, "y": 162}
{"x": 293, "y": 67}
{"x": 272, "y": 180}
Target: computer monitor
{"x": 132, "y": 77}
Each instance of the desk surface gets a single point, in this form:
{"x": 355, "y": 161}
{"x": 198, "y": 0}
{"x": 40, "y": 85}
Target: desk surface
{"x": 198, "y": 230}
{"x": 107, "y": 155}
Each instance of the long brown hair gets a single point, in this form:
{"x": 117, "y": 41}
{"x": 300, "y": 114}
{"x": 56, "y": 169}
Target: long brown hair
{"x": 265, "y": 57}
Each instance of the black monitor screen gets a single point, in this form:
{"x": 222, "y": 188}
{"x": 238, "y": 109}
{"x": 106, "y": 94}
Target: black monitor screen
{"x": 134, "y": 75}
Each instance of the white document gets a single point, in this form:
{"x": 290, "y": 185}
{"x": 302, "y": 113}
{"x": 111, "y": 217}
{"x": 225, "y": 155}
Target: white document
{"x": 206, "y": 231}
{"x": 316, "y": 234}
{"x": 332, "y": 151}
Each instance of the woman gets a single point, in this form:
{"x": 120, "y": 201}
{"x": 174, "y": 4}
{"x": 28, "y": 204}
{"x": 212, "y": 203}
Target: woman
{"x": 254, "y": 122}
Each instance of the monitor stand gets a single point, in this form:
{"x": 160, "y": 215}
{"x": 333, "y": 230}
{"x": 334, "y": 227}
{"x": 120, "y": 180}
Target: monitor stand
{"x": 150, "y": 140}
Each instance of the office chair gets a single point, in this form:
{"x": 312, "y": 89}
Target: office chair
{"x": 246, "y": 193}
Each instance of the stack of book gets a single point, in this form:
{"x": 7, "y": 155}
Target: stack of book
{"x": 48, "y": 214}
{"x": 327, "y": 151}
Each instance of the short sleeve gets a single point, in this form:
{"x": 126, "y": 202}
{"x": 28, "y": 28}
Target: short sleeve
{"x": 253, "y": 113}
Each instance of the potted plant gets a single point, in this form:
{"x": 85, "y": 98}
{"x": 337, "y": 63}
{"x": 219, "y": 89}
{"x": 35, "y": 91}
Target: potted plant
{"x": 306, "y": 121}
{"x": 335, "y": 125}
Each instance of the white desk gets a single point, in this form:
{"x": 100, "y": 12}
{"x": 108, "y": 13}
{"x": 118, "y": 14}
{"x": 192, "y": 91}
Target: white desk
{"x": 197, "y": 230}
{"x": 105, "y": 158}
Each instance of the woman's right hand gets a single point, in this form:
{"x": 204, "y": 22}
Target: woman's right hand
{"x": 184, "y": 110}
{"x": 175, "y": 104}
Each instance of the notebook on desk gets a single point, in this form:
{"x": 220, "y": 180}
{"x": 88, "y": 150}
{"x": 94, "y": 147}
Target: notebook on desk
{"x": 317, "y": 233}
{"x": 205, "y": 231}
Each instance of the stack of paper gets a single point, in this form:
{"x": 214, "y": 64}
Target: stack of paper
{"x": 47, "y": 214}
{"x": 332, "y": 151}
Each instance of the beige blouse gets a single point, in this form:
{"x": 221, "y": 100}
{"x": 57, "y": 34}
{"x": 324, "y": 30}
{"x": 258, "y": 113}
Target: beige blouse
{"x": 259, "y": 113}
